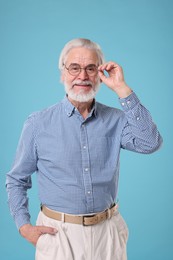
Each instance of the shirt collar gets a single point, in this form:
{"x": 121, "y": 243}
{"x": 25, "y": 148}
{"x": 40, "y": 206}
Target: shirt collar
{"x": 69, "y": 107}
{"x": 94, "y": 108}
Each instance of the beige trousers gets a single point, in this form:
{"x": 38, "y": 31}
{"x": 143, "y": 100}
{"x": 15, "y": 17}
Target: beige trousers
{"x": 104, "y": 241}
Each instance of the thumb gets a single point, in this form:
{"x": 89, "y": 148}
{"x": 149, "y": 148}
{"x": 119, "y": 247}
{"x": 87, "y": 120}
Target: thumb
{"x": 47, "y": 230}
{"x": 101, "y": 74}
{"x": 102, "y": 77}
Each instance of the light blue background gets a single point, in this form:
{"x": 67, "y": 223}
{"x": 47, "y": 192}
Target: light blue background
{"x": 138, "y": 35}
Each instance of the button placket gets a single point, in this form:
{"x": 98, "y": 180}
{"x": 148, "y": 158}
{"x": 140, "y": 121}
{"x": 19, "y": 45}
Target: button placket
{"x": 86, "y": 168}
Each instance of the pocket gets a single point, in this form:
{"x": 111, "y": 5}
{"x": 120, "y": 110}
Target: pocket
{"x": 40, "y": 241}
{"x": 122, "y": 229}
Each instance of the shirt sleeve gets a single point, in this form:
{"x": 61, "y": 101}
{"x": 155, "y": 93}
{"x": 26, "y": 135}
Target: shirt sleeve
{"x": 18, "y": 179}
{"x": 139, "y": 134}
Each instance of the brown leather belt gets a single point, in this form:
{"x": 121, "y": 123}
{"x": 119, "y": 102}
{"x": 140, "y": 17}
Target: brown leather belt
{"x": 83, "y": 220}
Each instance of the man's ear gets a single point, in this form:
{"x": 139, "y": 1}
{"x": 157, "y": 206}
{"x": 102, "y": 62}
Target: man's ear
{"x": 62, "y": 77}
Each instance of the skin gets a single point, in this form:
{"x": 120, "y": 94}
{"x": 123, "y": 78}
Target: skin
{"x": 114, "y": 80}
{"x": 83, "y": 57}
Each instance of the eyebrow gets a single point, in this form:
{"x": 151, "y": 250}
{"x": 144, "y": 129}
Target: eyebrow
{"x": 92, "y": 64}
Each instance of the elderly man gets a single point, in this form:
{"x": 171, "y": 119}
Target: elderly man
{"x": 74, "y": 147}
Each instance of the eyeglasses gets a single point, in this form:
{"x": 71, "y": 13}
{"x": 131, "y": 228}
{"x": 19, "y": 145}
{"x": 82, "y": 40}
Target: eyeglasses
{"x": 75, "y": 69}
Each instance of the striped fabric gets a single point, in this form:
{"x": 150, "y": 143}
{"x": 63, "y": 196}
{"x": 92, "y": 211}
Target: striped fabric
{"x": 77, "y": 160}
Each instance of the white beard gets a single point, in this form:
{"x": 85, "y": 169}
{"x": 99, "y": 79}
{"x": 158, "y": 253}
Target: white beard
{"x": 81, "y": 96}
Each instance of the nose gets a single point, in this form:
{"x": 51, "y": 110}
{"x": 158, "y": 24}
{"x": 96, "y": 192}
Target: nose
{"x": 83, "y": 74}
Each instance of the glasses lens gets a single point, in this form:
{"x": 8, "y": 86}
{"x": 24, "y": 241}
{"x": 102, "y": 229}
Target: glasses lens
{"x": 74, "y": 69}
{"x": 91, "y": 70}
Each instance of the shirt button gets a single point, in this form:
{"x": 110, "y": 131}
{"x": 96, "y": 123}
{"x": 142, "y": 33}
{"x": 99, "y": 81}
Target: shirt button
{"x": 137, "y": 118}
{"x": 84, "y": 147}
{"x": 89, "y": 192}
{"x": 128, "y": 102}
{"x": 122, "y": 103}
{"x": 86, "y": 169}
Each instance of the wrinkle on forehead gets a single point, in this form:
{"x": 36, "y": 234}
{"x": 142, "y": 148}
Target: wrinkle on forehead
{"x": 83, "y": 60}
{"x": 82, "y": 56}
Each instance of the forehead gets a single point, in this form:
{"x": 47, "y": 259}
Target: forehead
{"x": 82, "y": 55}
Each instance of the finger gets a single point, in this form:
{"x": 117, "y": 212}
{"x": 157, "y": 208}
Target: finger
{"x": 107, "y": 66}
{"x": 109, "y": 69}
{"x": 102, "y": 76}
{"x": 47, "y": 230}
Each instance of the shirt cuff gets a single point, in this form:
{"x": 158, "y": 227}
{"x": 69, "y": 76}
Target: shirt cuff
{"x": 129, "y": 102}
{"x": 21, "y": 220}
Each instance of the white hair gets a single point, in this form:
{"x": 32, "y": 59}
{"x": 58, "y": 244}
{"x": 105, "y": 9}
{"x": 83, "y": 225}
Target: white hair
{"x": 81, "y": 96}
{"x": 80, "y": 42}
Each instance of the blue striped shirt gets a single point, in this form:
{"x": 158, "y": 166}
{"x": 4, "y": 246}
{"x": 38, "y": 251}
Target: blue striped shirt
{"x": 77, "y": 160}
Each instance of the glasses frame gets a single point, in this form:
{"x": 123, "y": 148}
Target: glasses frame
{"x": 80, "y": 69}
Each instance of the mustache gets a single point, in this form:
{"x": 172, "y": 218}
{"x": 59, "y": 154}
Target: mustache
{"x": 82, "y": 82}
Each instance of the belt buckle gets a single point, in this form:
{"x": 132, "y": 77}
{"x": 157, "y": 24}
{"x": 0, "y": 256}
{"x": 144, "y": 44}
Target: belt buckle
{"x": 85, "y": 217}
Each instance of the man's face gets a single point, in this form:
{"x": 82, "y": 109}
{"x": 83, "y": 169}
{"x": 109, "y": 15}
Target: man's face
{"x": 83, "y": 86}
